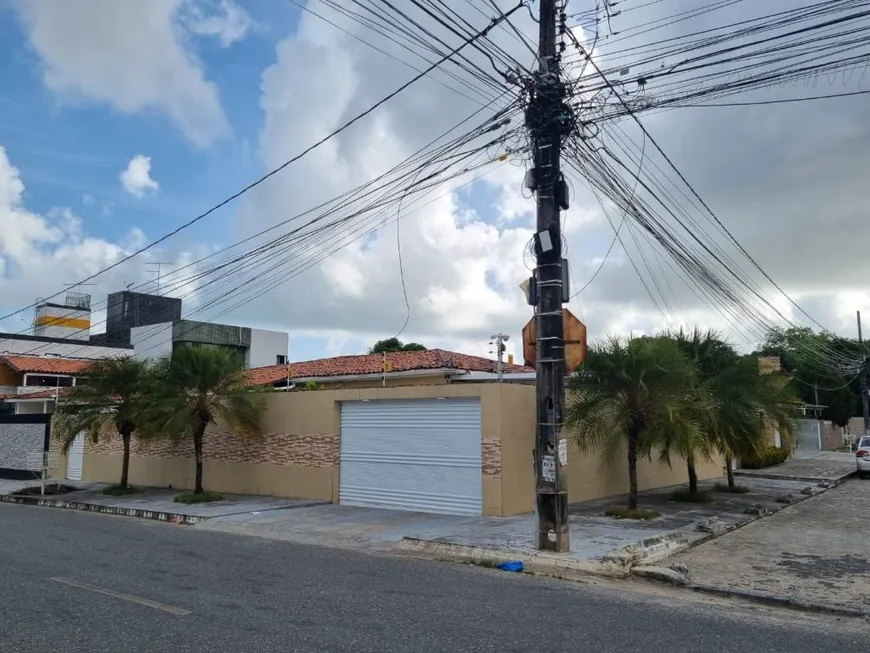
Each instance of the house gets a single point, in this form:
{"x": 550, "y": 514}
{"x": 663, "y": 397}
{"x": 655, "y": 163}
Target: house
{"x": 429, "y": 431}
{"x": 391, "y": 369}
{"x": 29, "y": 384}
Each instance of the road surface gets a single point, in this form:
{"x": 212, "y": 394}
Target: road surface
{"x": 79, "y": 582}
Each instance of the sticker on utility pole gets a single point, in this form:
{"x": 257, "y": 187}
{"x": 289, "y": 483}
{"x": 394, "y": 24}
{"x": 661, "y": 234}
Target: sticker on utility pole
{"x": 548, "y": 469}
{"x": 563, "y": 452}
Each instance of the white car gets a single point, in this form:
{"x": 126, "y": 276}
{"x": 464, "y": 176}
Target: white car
{"x": 862, "y": 456}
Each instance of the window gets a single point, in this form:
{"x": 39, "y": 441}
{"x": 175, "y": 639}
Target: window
{"x": 48, "y": 381}
{"x": 281, "y": 359}
{"x": 865, "y": 442}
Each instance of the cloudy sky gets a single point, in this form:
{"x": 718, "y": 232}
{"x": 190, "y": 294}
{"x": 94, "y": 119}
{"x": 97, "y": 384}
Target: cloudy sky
{"x": 121, "y": 120}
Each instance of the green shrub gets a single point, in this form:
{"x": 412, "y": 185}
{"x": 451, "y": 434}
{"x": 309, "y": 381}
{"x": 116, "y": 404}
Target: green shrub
{"x": 204, "y": 497}
{"x": 765, "y": 458}
{"x": 622, "y": 512}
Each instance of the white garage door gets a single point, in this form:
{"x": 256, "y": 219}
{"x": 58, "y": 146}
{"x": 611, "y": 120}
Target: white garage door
{"x": 414, "y": 454}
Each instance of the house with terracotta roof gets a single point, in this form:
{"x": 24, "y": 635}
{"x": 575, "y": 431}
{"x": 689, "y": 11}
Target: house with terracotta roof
{"x": 28, "y": 384}
{"x": 428, "y": 431}
{"x": 391, "y": 369}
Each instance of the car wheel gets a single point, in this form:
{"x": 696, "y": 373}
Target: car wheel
{"x": 862, "y": 475}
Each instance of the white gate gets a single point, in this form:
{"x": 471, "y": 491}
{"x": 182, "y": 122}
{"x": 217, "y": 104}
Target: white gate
{"x": 75, "y": 458}
{"x": 412, "y": 454}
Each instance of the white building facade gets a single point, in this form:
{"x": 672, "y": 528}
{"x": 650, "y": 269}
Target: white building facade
{"x": 258, "y": 347}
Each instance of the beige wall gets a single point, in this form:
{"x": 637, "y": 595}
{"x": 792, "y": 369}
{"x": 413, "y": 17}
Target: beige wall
{"x": 589, "y": 476}
{"x": 298, "y": 455}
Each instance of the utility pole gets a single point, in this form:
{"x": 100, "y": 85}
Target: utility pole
{"x": 545, "y": 119}
{"x": 498, "y": 340}
{"x": 865, "y": 400}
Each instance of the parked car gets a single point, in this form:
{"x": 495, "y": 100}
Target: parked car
{"x": 862, "y": 456}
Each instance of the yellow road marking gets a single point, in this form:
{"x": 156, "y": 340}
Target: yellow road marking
{"x": 171, "y": 609}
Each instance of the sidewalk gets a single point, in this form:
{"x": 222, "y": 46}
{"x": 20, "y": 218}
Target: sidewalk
{"x": 813, "y": 555}
{"x": 617, "y": 545}
{"x": 825, "y": 466}
{"x": 151, "y": 503}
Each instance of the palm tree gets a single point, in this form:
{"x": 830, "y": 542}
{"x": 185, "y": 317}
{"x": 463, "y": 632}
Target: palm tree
{"x": 744, "y": 400}
{"x": 198, "y": 386}
{"x": 111, "y": 391}
{"x": 635, "y": 392}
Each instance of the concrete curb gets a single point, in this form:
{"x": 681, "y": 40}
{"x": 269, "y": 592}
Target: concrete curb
{"x": 768, "y": 598}
{"x": 542, "y": 564}
{"x": 158, "y": 515}
{"x": 648, "y": 550}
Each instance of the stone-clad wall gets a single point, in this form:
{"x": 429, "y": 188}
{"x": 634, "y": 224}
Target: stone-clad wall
{"x": 491, "y": 457}
{"x": 308, "y": 450}
{"x": 16, "y": 441}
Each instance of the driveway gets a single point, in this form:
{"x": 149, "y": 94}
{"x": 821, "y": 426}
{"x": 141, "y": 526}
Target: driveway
{"x": 815, "y": 551}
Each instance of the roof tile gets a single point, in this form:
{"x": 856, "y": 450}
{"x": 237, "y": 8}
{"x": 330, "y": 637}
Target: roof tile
{"x": 399, "y": 361}
{"x": 45, "y": 364}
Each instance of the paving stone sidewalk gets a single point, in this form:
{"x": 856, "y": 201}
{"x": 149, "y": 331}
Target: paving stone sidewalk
{"x": 814, "y": 553}
{"x": 152, "y": 503}
{"x": 830, "y": 466}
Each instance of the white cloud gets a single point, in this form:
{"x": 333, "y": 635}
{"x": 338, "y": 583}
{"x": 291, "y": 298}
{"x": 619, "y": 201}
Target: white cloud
{"x": 462, "y": 268}
{"x": 39, "y": 253}
{"x": 136, "y": 177}
{"x": 129, "y": 55}
{"x": 223, "y": 20}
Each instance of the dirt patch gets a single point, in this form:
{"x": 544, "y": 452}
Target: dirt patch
{"x": 50, "y": 490}
{"x": 817, "y": 566}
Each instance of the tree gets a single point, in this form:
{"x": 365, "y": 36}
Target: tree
{"x": 394, "y": 344}
{"x": 198, "y": 386}
{"x": 819, "y": 361}
{"x": 635, "y": 393}
{"x": 744, "y": 400}
{"x": 113, "y": 391}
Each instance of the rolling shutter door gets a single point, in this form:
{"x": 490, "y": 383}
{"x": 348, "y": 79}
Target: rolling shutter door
{"x": 412, "y": 454}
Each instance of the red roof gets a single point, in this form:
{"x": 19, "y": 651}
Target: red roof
{"x": 399, "y": 361}
{"x": 45, "y": 364}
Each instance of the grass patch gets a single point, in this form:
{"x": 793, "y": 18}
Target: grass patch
{"x": 685, "y": 496}
{"x": 204, "y": 497}
{"x": 737, "y": 489}
{"x": 118, "y": 491}
{"x": 622, "y": 512}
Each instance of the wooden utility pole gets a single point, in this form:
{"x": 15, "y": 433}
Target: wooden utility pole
{"x": 865, "y": 400}
{"x": 543, "y": 120}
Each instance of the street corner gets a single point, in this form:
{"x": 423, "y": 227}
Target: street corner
{"x": 811, "y": 555}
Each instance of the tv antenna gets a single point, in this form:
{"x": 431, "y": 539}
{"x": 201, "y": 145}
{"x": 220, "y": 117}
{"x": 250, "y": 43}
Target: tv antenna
{"x": 159, "y": 265}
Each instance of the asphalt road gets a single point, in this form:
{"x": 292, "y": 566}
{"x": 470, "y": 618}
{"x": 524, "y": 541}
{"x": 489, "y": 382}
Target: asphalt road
{"x": 78, "y": 582}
